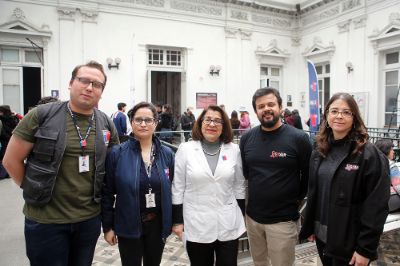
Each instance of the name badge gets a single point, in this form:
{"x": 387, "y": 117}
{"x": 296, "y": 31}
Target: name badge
{"x": 83, "y": 163}
{"x": 150, "y": 199}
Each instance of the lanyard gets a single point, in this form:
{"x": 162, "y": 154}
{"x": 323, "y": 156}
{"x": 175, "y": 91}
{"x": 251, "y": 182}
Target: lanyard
{"x": 82, "y": 141}
{"x": 148, "y": 167}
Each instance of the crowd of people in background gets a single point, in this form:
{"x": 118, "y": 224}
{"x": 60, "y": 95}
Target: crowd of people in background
{"x": 80, "y": 168}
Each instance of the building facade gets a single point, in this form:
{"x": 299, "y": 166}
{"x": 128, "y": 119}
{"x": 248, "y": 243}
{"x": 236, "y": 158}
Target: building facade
{"x": 196, "y": 52}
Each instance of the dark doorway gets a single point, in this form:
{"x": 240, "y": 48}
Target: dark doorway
{"x": 166, "y": 88}
{"x": 32, "y": 83}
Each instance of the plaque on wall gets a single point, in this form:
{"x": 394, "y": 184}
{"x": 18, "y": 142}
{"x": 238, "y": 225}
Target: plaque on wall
{"x": 203, "y": 100}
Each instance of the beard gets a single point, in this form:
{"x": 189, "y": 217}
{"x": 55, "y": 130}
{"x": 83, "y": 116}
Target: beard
{"x": 269, "y": 123}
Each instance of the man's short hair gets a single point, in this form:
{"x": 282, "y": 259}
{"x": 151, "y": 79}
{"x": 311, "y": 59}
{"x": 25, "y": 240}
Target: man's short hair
{"x": 265, "y": 91}
{"x": 91, "y": 64}
{"x": 121, "y": 105}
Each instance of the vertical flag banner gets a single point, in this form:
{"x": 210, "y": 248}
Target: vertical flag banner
{"x": 313, "y": 91}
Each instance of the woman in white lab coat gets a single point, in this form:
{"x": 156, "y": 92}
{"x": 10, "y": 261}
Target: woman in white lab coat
{"x": 208, "y": 191}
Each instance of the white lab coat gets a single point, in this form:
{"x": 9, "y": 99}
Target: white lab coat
{"x": 210, "y": 209}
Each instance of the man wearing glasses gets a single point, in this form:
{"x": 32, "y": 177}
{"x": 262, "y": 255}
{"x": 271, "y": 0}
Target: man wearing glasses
{"x": 65, "y": 145}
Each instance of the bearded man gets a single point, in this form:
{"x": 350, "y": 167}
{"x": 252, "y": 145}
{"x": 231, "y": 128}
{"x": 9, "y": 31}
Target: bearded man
{"x": 275, "y": 162}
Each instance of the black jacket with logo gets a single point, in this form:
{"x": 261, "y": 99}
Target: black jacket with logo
{"x": 358, "y": 203}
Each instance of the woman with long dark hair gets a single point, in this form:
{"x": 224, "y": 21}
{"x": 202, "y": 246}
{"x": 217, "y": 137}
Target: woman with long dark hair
{"x": 348, "y": 191}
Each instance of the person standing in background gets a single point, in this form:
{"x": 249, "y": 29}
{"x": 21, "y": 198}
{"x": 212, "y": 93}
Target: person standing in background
{"x": 235, "y": 123}
{"x": 187, "y": 122}
{"x": 120, "y": 122}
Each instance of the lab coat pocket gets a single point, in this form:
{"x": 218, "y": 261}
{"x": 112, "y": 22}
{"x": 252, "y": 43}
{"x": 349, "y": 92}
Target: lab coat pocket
{"x": 228, "y": 216}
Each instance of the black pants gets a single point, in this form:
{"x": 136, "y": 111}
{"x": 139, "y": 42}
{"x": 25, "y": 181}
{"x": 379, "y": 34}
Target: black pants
{"x": 329, "y": 261}
{"x": 201, "y": 254}
{"x": 149, "y": 246}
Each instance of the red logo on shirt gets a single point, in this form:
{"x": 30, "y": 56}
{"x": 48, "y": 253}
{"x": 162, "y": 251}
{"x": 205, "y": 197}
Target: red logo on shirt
{"x": 277, "y": 154}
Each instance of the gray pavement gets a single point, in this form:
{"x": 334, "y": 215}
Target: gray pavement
{"x": 12, "y": 242}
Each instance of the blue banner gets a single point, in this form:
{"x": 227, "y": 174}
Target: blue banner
{"x": 313, "y": 96}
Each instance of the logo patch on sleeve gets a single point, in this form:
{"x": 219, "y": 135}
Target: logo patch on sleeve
{"x": 106, "y": 136}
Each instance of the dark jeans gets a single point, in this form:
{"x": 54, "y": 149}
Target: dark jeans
{"x": 69, "y": 244}
{"x": 149, "y": 246}
{"x": 202, "y": 254}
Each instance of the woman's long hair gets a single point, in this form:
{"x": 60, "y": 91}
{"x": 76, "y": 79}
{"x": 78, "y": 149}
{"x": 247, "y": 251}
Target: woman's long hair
{"x": 358, "y": 133}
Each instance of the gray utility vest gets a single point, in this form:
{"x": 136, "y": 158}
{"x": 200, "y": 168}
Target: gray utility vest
{"x": 50, "y": 142}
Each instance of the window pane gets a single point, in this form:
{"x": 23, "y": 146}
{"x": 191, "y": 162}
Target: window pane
{"x": 275, "y": 84}
{"x": 328, "y": 68}
{"x": 391, "y": 99}
{"x": 326, "y": 90}
{"x": 155, "y": 56}
{"x": 32, "y": 56}
{"x": 275, "y": 72}
{"x": 392, "y": 58}
{"x": 388, "y": 117}
{"x": 392, "y": 77}
{"x": 318, "y": 69}
{"x": 10, "y": 77}
{"x": 11, "y": 97}
{"x": 174, "y": 58}
{"x": 263, "y": 71}
{"x": 10, "y": 55}
{"x": 263, "y": 83}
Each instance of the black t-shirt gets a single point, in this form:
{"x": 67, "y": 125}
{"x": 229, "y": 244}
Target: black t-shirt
{"x": 276, "y": 165}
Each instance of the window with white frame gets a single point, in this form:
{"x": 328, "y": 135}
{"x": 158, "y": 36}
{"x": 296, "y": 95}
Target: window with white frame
{"x": 323, "y": 72}
{"x": 17, "y": 56}
{"x": 391, "y": 79}
{"x": 164, "y": 57}
{"x": 270, "y": 76}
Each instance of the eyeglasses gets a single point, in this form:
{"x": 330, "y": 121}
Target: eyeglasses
{"x": 139, "y": 120}
{"x": 344, "y": 113}
{"x": 86, "y": 82}
{"x": 216, "y": 121}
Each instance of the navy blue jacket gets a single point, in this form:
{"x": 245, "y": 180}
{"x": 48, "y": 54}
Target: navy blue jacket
{"x": 121, "y": 186}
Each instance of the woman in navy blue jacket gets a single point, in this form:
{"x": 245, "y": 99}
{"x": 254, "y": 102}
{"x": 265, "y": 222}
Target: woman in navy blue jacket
{"x": 138, "y": 180}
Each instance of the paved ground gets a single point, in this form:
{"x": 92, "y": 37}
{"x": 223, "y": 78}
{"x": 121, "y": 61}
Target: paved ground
{"x": 12, "y": 243}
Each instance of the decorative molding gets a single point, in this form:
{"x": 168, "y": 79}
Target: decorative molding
{"x": 360, "y": 21}
{"x": 66, "y": 13}
{"x": 17, "y": 30}
{"x": 156, "y": 3}
{"x": 296, "y": 38}
{"x": 344, "y": 26}
{"x": 389, "y": 36}
{"x": 89, "y": 16}
{"x": 311, "y": 19}
{"x": 280, "y": 22}
{"x": 245, "y": 35}
{"x": 272, "y": 54}
{"x": 319, "y": 52}
{"x": 18, "y": 14}
{"x": 201, "y": 9}
{"x": 230, "y": 33}
{"x": 240, "y": 15}
{"x": 350, "y": 4}
{"x": 394, "y": 18}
